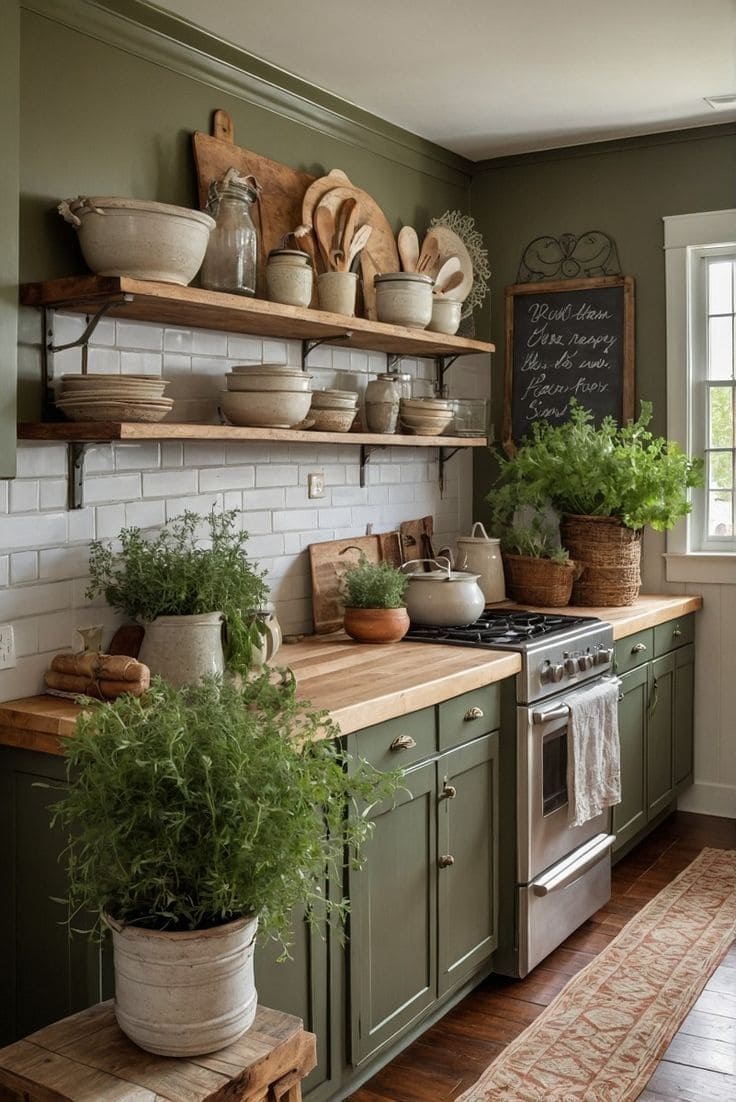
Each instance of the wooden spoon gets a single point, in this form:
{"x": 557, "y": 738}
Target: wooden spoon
{"x": 305, "y": 241}
{"x": 348, "y": 233}
{"x": 429, "y": 258}
{"x": 360, "y": 240}
{"x": 449, "y": 284}
{"x": 449, "y": 268}
{"x": 408, "y": 244}
{"x": 324, "y": 228}
{"x": 338, "y": 256}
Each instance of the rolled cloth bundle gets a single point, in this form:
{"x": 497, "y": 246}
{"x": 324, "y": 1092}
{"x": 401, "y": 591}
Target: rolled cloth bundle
{"x": 104, "y": 676}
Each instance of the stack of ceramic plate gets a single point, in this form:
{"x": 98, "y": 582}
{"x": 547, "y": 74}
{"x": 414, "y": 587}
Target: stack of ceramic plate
{"x": 113, "y": 398}
{"x": 274, "y": 396}
{"x": 426, "y": 416}
{"x": 333, "y": 410}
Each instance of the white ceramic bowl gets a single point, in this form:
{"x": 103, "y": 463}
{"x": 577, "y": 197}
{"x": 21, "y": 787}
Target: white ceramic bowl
{"x": 279, "y": 380}
{"x": 332, "y": 420}
{"x": 123, "y": 410}
{"x": 276, "y": 409}
{"x": 425, "y": 404}
{"x": 138, "y": 238}
{"x": 262, "y": 369}
{"x": 323, "y": 399}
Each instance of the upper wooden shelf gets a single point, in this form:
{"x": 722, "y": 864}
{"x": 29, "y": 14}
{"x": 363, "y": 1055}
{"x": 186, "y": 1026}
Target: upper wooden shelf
{"x": 103, "y": 431}
{"x": 169, "y": 304}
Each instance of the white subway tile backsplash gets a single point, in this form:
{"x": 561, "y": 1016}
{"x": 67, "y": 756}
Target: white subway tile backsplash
{"x": 24, "y": 496}
{"x": 201, "y": 503}
{"x": 81, "y": 525}
{"x": 200, "y": 454}
{"x": 34, "y": 600}
{"x": 172, "y": 453}
{"x": 205, "y": 343}
{"x": 56, "y": 631}
{"x": 53, "y": 493}
{"x": 168, "y": 483}
{"x": 99, "y": 459}
{"x": 133, "y": 334}
{"x": 134, "y": 457}
{"x": 257, "y": 524}
{"x": 40, "y": 530}
{"x": 25, "y": 634}
{"x": 116, "y": 487}
{"x": 274, "y": 352}
{"x": 104, "y": 361}
{"x": 227, "y": 478}
{"x": 4, "y": 496}
{"x": 23, "y": 567}
{"x": 295, "y": 520}
{"x": 244, "y": 349}
{"x": 271, "y": 498}
{"x": 141, "y": 363}
{"x": 145, "y": 514}
{"x": 109, "y": 519}
{"x": 63, "y": 562}
{"x": 4, "y": 570}
{"x": 178, "y": 340}
{"x": 41, "y": 460}
{"x": 277, "y": 475}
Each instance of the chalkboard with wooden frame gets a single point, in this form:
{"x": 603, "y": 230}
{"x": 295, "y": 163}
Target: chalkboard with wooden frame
{"x": 571, "y": 338}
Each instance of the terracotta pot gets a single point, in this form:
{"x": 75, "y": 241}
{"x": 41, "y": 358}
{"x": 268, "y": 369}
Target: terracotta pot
{"x": 376, "y": 625}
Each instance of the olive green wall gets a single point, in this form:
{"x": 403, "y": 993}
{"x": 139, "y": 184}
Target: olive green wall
{"x": 623, "y": 188}
{"x": 9, "y": 111}
{"x": 111, "y": 91}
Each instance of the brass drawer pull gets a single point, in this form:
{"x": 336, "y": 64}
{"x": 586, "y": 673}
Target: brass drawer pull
{"x": 402, "y": 742}
{"x": 473, "y": 713}
{"x": 638, "y": 648}
{"x": 676, "y": 632}
{"x": 446, "y": 860}
{"x": 620, "y": 696}
{"x": 449, "y": 792}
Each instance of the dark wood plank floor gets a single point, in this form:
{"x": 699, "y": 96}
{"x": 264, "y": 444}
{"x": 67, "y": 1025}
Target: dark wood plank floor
{"x": 700, "y": 1064}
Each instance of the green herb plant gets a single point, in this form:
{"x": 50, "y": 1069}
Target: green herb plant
{"x": 373, "y": 585}
{"x": 607, "y": 471}
{"x": 187, "y": 808}
{"x": 175, "y": 573}
{"x": 535, "y": 540}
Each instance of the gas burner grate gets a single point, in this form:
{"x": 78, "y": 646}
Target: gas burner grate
{"x": 498, "y": 628}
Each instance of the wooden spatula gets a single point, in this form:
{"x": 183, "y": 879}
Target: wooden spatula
{"x": 448, "y": 284}
{"x": 324, "y": 229}
{"x": 429, "y": 257}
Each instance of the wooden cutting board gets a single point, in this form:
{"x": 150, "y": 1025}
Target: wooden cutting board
{"x": 416, "y": 538}
{"x": 328, "y": 565}
{"x": 279, "y": 209}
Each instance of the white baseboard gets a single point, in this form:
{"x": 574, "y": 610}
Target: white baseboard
{"x": 709, "y": 799}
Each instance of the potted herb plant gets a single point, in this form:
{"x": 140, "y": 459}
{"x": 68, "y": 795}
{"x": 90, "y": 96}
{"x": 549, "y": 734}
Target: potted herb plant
{"x": 195, "y": 815}
{"x": 188, "y": 589}
{"x": 607, "y": 483}
{"x": 373, "y": 593}
{"x": 537, "y": 571}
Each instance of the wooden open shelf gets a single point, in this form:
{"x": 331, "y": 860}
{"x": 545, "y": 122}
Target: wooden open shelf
{"x": 169, "y": 304}
{"x": 90, "y": 432}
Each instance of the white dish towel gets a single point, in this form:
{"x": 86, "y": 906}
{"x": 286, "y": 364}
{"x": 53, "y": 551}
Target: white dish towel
{"x": 593, "y": 752}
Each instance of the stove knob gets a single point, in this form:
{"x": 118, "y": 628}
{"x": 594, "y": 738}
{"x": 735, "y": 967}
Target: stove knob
{"x": 604, "y": 656}
{"x": 556, "y": 672}
{"x": 571, "y": 666}
{"x": 585, "y": 661}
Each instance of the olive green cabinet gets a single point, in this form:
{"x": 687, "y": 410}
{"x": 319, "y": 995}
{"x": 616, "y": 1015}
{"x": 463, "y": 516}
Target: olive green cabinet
{"x": 656, "y": 667}
{"x": 44, "y": 975}
{"x": 424, "y": 906}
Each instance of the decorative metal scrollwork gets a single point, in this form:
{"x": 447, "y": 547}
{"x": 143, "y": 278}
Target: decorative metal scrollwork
{"x": 590, "y": 254}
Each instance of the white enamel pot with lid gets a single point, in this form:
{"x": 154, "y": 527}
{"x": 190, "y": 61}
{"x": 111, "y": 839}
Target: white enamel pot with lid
{"x": 443, "y": 597}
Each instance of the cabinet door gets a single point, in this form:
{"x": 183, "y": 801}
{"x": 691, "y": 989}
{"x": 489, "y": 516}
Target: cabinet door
{"x": 684, "y": 684}
{"x": 467, "y": 874}
{"x": 302, "y": 986}
{"x": 631, "y": 814}
{"x": 46, "y": 975}
{"x": 660, "y": 734}
{"x": 393, "y": 918}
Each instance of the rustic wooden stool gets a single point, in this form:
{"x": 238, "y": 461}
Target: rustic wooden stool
{"x": 85, "y": 1058}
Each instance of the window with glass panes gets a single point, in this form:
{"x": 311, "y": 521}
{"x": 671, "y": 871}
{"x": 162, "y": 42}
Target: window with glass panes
{"x": 714, "y": 376}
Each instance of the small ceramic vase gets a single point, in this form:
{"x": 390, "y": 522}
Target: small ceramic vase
{"x": 382, "y": 399}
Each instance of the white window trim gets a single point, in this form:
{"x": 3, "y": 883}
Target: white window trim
{"x": 683, "y": 234}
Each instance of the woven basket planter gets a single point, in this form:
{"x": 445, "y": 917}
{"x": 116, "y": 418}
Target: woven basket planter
{"x": 609, "y": 556}
{"x": 533, "y": 581}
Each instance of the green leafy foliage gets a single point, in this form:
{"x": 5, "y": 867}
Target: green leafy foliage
{"x": 607, "y": 471}
{"x": 374, "y": 585}
{"x": 190, "y": 807}
{"x": 177, "y": 574}
{"x": 535, "y": 540}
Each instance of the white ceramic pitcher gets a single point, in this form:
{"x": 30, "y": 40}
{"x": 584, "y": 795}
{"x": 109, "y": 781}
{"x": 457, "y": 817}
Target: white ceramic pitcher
{"x": 481, "y": 554}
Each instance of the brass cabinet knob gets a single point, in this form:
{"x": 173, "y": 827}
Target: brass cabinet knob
{"x": 402, "y": 742}
{"x": 676, "y": 631}
{"x": 446, "y": 860}
{"x": 638, "y": 648}
{"x": 449, "y": 792}
{"x": 473, "y": 713}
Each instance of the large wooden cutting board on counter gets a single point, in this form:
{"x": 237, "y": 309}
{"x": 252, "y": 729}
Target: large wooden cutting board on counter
{"x": 328, "y": 564}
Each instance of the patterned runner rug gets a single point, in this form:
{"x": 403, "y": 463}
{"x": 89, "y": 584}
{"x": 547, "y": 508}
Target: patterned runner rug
{"x": 603, "y": 1035}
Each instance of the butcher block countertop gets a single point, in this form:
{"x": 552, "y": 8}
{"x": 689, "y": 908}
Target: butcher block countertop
{"x": 358, "y": 684}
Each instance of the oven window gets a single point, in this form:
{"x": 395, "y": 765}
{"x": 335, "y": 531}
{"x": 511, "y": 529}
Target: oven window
{"x": 554, "y": 771}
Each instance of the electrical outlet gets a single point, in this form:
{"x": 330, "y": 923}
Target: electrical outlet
{"x": 7, "y": 647}
{"x": 315, "y": 485}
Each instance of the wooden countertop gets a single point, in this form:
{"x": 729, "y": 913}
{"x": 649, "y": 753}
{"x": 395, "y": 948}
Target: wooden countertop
{"x": 359, "y": 684}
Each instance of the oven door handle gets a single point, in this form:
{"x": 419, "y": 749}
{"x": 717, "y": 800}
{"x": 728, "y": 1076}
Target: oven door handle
{"x": 567, "y": 872}
{"x": 562, "y": 711}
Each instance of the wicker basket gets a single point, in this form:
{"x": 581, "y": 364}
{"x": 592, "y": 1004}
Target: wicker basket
{"x": 609, "y": 555}
{"x": 532, "y": 581}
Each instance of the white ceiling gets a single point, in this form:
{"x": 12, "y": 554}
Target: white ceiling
{"x": 486, "y": 78}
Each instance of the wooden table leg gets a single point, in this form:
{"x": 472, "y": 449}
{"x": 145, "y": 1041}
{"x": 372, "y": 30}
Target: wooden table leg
{"x": 286, "y": 1089}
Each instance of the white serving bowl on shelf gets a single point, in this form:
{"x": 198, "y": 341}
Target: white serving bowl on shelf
{"x": 332, "y": 420}
{"x": 278, "y": 380}
{"x": 262, "y": 369}
{"x": 275, "y": 409}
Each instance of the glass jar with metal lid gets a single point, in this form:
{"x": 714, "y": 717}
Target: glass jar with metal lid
{"x": 230, "y": 263}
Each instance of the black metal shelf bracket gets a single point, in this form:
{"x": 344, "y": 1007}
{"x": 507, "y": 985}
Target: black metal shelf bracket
{"x": 443, "y": 363}
{"x": 75, "y": 452}
{"x": 310, "y": 345}
{"x": 366, "y": 451}
{"x": 48, "y": 348}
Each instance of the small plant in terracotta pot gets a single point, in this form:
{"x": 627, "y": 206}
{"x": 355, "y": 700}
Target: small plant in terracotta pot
{"x": 373, "y": 593}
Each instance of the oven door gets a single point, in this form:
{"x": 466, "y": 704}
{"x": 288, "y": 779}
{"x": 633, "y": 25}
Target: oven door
{"x": 545, "y": 836}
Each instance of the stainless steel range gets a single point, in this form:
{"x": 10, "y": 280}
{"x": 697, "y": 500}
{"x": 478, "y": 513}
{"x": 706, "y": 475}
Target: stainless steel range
{"x": 552, "y": 876}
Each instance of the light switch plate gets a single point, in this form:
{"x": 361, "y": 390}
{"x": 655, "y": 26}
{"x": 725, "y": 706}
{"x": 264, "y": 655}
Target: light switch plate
{"x": 315, "y": 485}
{"x": 7, "y": 647}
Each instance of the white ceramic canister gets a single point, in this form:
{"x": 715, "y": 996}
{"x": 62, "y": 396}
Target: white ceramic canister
{"x": 382, "y": 399}
{"x": 404, "y": 298}
{"x": 337, "y": 292}
{"x": 445, "y": 315}
{"x": 481, "y": 554}
{"x": 289, "y": 277}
